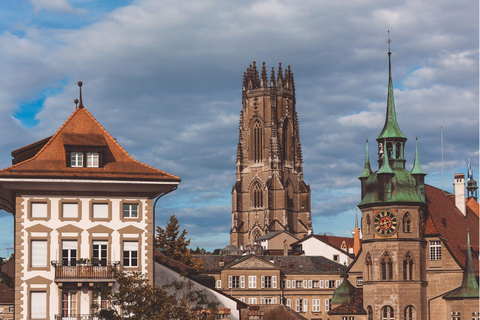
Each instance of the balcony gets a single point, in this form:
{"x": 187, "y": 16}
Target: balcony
{"x": 76, "y": 317}
{"x": 86, "y": 272}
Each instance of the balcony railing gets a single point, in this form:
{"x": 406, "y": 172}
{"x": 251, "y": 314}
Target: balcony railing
{"x": 76, "y": 317}
{"x": 86, "y": 272}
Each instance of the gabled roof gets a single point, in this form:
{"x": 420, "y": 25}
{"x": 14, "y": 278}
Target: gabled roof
{"x": 251, "y": 262}
{"x": 273, "y": 234}
{"x": 333, "y": 241}
{"x": 473, "y": 205}
{"x": 451, "y": 225}
{"x": 82, "y": 129}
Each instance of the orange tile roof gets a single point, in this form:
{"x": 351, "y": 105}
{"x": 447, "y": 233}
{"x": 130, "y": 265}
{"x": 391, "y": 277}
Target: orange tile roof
{"x": 473, "y": 205}
{"x": 446, "y": 220}
{"x": 82, "y": 128}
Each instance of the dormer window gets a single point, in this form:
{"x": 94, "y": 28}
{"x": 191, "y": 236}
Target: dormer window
{"x": 76, "y": 159}
{"x": 92, "y": 159}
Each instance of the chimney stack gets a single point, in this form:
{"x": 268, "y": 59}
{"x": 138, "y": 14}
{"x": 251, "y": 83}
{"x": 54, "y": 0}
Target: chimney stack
{"x": 460, "y": 192}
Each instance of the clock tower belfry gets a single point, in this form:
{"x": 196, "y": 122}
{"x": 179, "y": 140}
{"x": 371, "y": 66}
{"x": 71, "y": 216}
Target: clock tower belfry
{"x": 393, "y": 205}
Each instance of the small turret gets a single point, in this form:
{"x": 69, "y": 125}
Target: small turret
{"x": 356, "y": 237}
{"x": 471, "y": 184}
{"x": 367, "y": 171}
{"x": 419, "y": 174}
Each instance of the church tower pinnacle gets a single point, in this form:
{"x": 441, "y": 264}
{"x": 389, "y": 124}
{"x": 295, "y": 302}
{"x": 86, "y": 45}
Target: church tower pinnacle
{"x": 269, "y": 193}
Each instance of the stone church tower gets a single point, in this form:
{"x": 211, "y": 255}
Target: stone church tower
{"x": 393, "y": 206}
{"x": 269, "y": 193}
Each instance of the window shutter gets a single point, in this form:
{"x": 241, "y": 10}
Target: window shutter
{"x": 321, "y": 283}
{"x": 274, "y": 282}
{"x": 289, "y": 303}
{"x": 100, "y": 210}
{"x": 337, "y": 283}
{"x": 130, "y": 246}
{"x": 219, "y": 284}
{"x": 39, "y": 253}
{"x": 274, "y": 300}
{"x": 242, "y": 281}
{"x": 71, "y": 245}
{"x": 39, "y": 210}
{"x": 70, "y": 210}
{"x": 38, "y": 305}
{"x": 263, "y": 301}
{"x": 309, "y": 283}
{"x": 230, "y": 282}
{"x": 304, "y": 283}
{"x": 288, "y": 283}
{"x": 263, "y": 282}
{"x": 305, "y": 305}
{"x": 297, "y": 305}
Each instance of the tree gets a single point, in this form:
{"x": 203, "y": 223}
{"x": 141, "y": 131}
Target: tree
{"x": 175, "y": 244}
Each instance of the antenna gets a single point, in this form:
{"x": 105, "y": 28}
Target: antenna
{"x": 441, "y": 146}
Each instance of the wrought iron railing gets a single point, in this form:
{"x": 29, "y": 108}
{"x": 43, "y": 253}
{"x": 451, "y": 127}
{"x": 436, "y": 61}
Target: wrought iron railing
{"x": 86, "y": 271}
{"x": 76, "y": 317}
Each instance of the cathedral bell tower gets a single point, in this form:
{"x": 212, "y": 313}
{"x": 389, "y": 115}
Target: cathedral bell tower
{"x": 269, "y": 193}
{"x": 392, "y": 205}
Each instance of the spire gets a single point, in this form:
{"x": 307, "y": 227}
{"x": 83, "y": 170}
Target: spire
{"x": 272, "y": 78}
{"x": 391, "y": 128}
{"x": 81, "y": 102}
{"x": 264, "y": 80}
{"x": 417, "y": 167}
{"x": 385, "y": 168}
{"x": 356, "y": 237}
{"x": 367, "y": 170}
{"x": 344, "y": 292}
{"x": 469, "y": 288}
{"x": 280, "y": 75}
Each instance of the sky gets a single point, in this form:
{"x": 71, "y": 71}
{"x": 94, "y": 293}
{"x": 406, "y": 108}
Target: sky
{"x": 164, "y": 77}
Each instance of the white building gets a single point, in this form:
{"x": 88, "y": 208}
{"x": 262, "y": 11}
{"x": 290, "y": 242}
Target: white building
{"x": 338, "y": 249}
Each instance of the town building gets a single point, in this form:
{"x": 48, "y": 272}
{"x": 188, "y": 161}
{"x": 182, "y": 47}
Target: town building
{"x": 338, "y": 249}
{"x": 83, "y": 208}
{"x": 269, "y": 193}
{"x": 304, "y": 284}
{"x": 416, "y": 257}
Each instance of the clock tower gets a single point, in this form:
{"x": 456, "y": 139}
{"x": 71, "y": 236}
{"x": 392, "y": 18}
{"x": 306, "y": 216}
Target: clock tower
{"x": 393, "y": 205}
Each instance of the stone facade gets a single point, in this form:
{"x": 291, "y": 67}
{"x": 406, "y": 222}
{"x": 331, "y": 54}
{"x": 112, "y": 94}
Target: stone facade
{"x": 269, "y": 193}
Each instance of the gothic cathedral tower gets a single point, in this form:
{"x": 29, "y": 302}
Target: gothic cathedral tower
{"x": 269, "y": 193}
{"x": 393, "y": 204}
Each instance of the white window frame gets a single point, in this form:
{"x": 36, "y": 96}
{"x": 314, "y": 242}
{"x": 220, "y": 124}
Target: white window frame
{"x": 288, "y": 284}
{"x": 219, "y": 284}
{"x": 304, "y": 284}
{"x": 242, "y": 282}
{"x": 101, "y": 214}
{"x": 274, "y": 282}
{"x": 252, "y": 300}
{"x": 289, "y": 303}
{"x": 298, "y": 305}
{"x": 315, "y": 305}
{"x": 38, "y": 305}
{"x": 327, "y": 305}
{"x": 132, "y": 247}
{"x": 321, "y": 284}
{"x": 71, "y": 302}
{"x": 359, "y": 281}
{"x": 39, "y": 209}
{"x": 252, "y": 282}
{"x": 39, "y": 253}
{"x": 435, "y": 249}
{"x": 305, "y": 305}
{"x": 93, "y": 159}
{"x": 76, "y": 159}
{"x": 131, "y": 211}
{"x": 310, "y": 284}
{"x": 337, "y": 283}
{"x": 315, "y": 284}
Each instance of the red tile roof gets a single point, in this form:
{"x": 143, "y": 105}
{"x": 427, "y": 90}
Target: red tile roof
{"x": 336, "y": 241}
{"x": 83, "y": 129}
{"x": 473, "y": 205}
{"x": 446, "y": 220}
{"x": 7, "y": 295}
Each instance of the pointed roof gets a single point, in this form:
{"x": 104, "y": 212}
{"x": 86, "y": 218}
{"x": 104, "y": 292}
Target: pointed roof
{"x": 356, "y": 238}
{"x": 417, "y": 167}
{"x": 469, "y": 287}
{"x": 367, "y": 170}
{"x": 83, "y": 130}
{"x": 344, "y": 292}
{"x": 391, "y": 128}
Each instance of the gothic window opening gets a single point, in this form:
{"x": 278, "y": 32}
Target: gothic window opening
{"x": 289, "y": 195}
{"x": 369, "y": 224}
{"x": 256, "y": 234}
{"x": 386, "y": 267}
{"x": 390, "y": 150}
{"x": 288, "y": 142}
{"x": 257, "y": 196}
{"x": 368, "y": 265}
{"x": 408, "y": 267}
{"x": 407, "y": 223}
{"x": 369, "y": 313}
{"x": 409, "y": 311}
{"x": 257, "y": 142}
{"x": 398, "y": 150}
{"x": 387, "y": 313}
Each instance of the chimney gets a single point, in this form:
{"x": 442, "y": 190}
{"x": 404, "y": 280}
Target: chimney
{"x": 460, "y": 192}
{"x": 285, "y": 247}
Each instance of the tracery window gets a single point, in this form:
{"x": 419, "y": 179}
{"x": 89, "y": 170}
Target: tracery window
{"x": 386, "y": 267}
{"x": 407, "y": 222}
{"x": 257, "y": 142}
{"x": 257, "y": 195}
{"x": 369, "y": 313}
{"x": 368, "y": 267}
{"x": 409, "y": 312}
{"x": 387, "y": 313}
{"x": 369, "y": 223}
{"x": 288, "y": 142}
{"x": 408, "y": 267}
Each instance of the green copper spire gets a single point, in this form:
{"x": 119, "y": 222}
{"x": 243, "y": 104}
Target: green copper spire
{"x": 391, "y": 128}
{"x": 469, "y": 288}
{"x": 417, "y": 167}
{"x": 344, "y": 292}
{"x": 367, "y": 170}
{"x": 385, "y": 168}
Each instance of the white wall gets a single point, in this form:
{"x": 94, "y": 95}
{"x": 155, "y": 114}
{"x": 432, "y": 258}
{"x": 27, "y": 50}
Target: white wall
{"x": 315, "y": 247}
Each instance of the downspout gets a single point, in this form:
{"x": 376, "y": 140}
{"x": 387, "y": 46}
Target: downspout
{"x": 155, "y": 227}
{"x": 429, "y": 300}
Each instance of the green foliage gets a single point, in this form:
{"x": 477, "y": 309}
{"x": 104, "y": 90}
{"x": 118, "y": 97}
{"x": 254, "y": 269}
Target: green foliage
{"x": 175, "y": 244}
{"x": 136, "y": 299}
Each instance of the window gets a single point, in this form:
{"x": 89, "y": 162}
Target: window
{"x": 257, "y": 142}
{"x": 305, "y": 305}
{"x": 100, "y": 210}
{"x": 39, "y": 210}
{"x": 359, "y": 281}
{"x": 242, "y": 299}
{"x": 336, "y": 257}
{"x": 269, "y": 281}
{"x": 408, "y": 313}
{"x": 69, "y": 253}
{"x": 299, "y": 305}
{"x": 11, "y": 309}
{"x": 369, "y": 313}
{"x": 321, "y": 284}
{"x": 435, "y": 250}
{"x": 257, "y": 196}
{"x": 387, "y": 313}
{"x": 298, "y": 284}
{"x": 38, "y": 253}
{"x": 337, "y": 283}
{"x": 219, "y": 284}
{"x": 288, "y": 284}
{"x": 386, "y": 267}
{"x": 289, "y": 303}
{"x": 309, "y": 283}
{"x": 99, "y": 303}
{"x": 315, "y": 305}
{"x": 268, "y": 301}
{"x": 304, "y": 283}
{"x": 331, "y": 283}
{"x": 130, "y": 254}
{"x": 407, "y": 221}
{"x": 69, "y": 304}
{"x": 252, "y": 300}
{"x": 368, "y": 224}
{"x": 100, "y": 252}
{"x": 288, "y": 141}
{"x": 408, "y": 267}
{"x": 455, "y": 315}
{"x": 348, "y": 318}
{"x": 92, "y": 159}
{"x": 368, "y": 267}
{"x": 252, "y": 282}
{"x": 315, "y": 284}
{"x": 475, "y": 316}
{"x": 38, "y": 305}
{"x": 70, "y": 210}
{"x": 130, "y": 210}
{"x": 236, "y": 282}
{"x": 327, "y": 305}
{"x": 76, "y": 159}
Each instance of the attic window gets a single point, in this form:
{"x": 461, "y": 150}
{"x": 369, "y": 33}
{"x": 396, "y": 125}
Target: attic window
{"x": 92, "y": 159}
{"x": 76, "y": 159}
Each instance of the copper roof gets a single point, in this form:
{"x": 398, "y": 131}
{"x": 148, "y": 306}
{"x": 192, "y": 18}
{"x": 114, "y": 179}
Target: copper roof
{"x": 83, "y": 129}
{"x": 353, "y": 306}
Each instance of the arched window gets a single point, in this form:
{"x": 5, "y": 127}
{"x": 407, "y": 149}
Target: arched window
{"x": 288, "y": 142}
{"x": 369, "y": 313}
{"x": 257, "y": 139}
{"x": 389, "y": 150}
{"x": 407, "y": 222}
{"x": 257, "y": 195}
{"x": 409, "y": 312}
{"x": 398, "y": 150}
{"x": 256, "y": 234}
{"x": 386, "y": 267}
{"x": 369, "y": 223}
{"x": 408, "y": 266}
{"x": 289, "y": 195}
{"x": 368, "y": 267}
{"x": 387, "y": 313}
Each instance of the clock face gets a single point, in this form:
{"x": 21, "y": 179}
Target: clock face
{"x": 385, "y": 223}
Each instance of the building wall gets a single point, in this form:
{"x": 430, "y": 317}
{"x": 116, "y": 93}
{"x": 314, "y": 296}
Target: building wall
{"x": 315, "y": 247}
{"x": 277, "y": 242}
{"x": 115, "y": 230}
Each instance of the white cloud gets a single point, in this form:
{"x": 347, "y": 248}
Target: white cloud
{"x": 55, "y": 5}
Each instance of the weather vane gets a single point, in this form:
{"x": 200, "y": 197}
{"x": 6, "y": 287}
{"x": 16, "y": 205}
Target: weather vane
{"x": 389, "y": 41}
